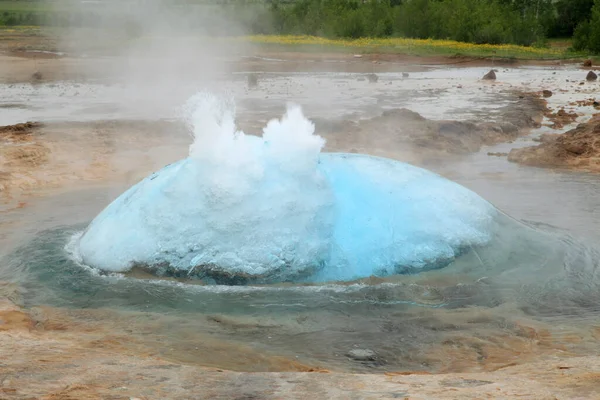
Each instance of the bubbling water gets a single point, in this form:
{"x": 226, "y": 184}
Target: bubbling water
{"x": 245, "y": 208}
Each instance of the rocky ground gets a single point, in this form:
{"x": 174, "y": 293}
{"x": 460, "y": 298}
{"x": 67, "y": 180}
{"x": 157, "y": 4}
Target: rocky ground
{"x": 41, "y": 156}
{"x": 577, "y": 149}
{"x": 47, "y": 355}
{"x": 426, "y": 140}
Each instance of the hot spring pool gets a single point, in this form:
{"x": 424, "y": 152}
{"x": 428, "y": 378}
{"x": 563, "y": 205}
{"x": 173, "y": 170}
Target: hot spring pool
{"x": 528, "y": 277}
{"x": 500, "y": 280}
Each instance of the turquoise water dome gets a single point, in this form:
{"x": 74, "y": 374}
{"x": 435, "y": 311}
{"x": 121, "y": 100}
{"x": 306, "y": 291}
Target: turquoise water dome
{"x": 247, "y": 209}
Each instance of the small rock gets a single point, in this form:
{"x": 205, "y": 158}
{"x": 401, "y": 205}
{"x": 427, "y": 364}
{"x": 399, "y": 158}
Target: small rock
{"x": 37, "y": 76}
{"x": 372, "y": 78}
{"x": 547, "y": 93}
{"x": 362, "y": 355}
{"x": 591, "y": 76}
{"x": 575, "y": 148}
{"x": 464, "y": 383}
{"x": 587, "y": 63}
{"x": 405, "y": 75}
{"x": 252, "y": 80}
{"x": 497, "y": 154}
{"x": 490, "y": 76}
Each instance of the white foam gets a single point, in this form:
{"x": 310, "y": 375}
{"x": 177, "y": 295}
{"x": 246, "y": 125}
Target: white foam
{"x": 275, "y": 208}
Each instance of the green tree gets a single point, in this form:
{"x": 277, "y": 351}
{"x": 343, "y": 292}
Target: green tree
{"x": 587, "y": 33}
{"x": 569, "y": 14}
{"x": 594, "y": 35}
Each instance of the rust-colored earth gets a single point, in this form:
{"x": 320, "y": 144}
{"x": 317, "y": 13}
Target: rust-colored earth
{"x": 577, "y": 149}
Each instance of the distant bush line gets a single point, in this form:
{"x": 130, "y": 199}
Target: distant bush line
{"x": 522, "y": 22}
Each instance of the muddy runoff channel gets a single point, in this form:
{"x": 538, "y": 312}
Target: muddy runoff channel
{"x": 533, "y": 296}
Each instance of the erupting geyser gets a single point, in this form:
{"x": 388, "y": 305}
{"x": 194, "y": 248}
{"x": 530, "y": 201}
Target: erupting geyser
{"x": 244, "y": 209}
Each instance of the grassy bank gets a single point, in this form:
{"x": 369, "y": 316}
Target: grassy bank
{"x": 418, "y": 47}
{"x": 41, "y": 38}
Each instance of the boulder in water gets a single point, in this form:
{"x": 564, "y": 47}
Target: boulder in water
{"x": 372, "y": 78}
{"x": 591, "y": 76}
{"x": 490, "y": 76}
{"x": 362, "y": 355}
{"x": 252, "y": 80}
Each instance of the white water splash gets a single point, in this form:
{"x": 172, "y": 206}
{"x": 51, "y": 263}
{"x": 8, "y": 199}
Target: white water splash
{"x": 274, "y": 208}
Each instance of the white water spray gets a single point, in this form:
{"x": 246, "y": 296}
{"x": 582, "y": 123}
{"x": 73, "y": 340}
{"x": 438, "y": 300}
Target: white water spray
{"x": 274, "y": 208}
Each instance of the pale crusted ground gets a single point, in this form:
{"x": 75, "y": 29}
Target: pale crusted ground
{"x": 44, "y": 359}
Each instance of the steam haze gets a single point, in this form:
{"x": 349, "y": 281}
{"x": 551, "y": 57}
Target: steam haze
{"x": 161, "y": 53}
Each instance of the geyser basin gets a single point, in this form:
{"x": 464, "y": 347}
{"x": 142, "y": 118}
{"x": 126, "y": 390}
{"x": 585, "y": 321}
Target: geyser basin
{"x": 246, "y": 209}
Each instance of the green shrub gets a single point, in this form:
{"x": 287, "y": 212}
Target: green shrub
{"x": 581, "y": 36}
{"x": 587, "y": 33}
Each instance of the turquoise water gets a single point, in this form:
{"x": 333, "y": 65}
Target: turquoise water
{"x": 527, "y": 273}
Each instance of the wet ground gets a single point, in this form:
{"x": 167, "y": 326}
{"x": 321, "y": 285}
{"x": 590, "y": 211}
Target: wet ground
{"x": 100, "y": 138}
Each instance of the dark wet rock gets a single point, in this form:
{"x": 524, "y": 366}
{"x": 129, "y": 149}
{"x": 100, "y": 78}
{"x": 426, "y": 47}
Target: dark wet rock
{"x": 490, "y": 76}
{"x": 587, "y": 63}
{"x": 372, "y": 78}
{"x": 214, "y": 274}
{"x": 362, "y": 355}
{"x": 498, "y": 154}
{"x": 252, "y": 80}
{"x": 508, "y": 128}
{"x": 591, "y": 76}
{"x": 577, "y": 148}
{"x": 547, "y": 93}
